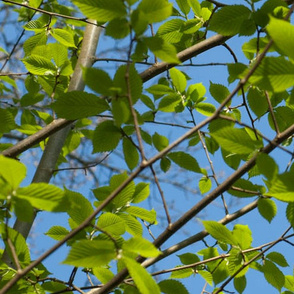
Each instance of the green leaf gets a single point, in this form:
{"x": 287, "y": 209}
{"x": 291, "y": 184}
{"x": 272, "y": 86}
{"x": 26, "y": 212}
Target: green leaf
{"x": 34, "y": 41}
{"x": 218, "y": 92}
{"x": 103, "y": 274}
{"x": 39, "y": 65}
{"x": 220, "y": 232}
{"x": 160, "y": 90}
{"x": 44, "y": 196}
{"x": 64, "y": 37}
{"x": 284, "y": 117}
{"x": 178, "y": 79}
{"x": 290, "y": 213}
{"x": 12, "y": 171}
{"x": 235, "y": 71}
{"x": 141, "y": 277}
{"x": 120, "y": 110}
{"x": 170, "y": 30}
{"x": 77, "y": 104}
{"x": 277, "y": 258}
{"x": 111, "y": 224}
{"x": 235, "y": 263}
{"x": 243, "y": 234}
{"x": 188, "y": 258}
{"x": 234, "y": 140}
{"x": 207, "y": 276}
{"x": 91, "y": 253}
{"x": 98, "y": 80}
{"x": 106, "y": 137}
{"x": 185, "y": 161}
{"x": 289, "y": 283}
{"x": 101, "y": 10}
{"x": 165, "y": 164}
{"x": 267, "y": 208}
{"x": 184, "y": 6}
{"x": 130, "y": 153}
{"x": 23, "y": 209}
{"x": 196, "y": 7}
{"x": 206, "y": 109}
{"x": 172, "y": 287}
{"x": 240, "y": 284}
{"x": 169, "y": 102}
{"x": 134, "y": 81}
{"x": 126, "y": 195}
{"x": 282, "y": 187}
{"x": 257, "y": 102}
{"x": 19, "y": 243}
{"x": 162, "y": 49}
{"x": 245, "y": 188}
{"x": 267, "y": 166}
{"x": 281, "y": 32}
{"x": 274, "y": 74}
{"x": 204, "y": 184}
{"x": 80, "y": 207}
{"x": 273, "y": 275}
{"x": 142, "y": 192}
{"x": 140, "y": 246}
{"x": 133, "y": 226}
{"x": 229, "y": 19}
{"x": 155, "y": 11}
{"x": 57, "y": 233}
{"x": 159, "y": 141}
{"x": 118, "y": 28}
{"x": 142, "y": 213}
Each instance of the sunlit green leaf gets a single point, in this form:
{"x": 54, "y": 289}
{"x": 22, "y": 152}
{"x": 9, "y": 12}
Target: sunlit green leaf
{"x": 162, "y": 49}
{"x": 274, "y": 74}
{"x": 64, "y": 37}
{"x": 101, "y": 10}
{"x": 229, "y": 19}
{"x": 142, "y": 191}
{"x": 142, "y": 213}
{"x": 141, "y": 277}
{"x": 111, "y": 224}
{"x": 77, "y": 104}
{"x": 220, "y": 232}
{"x": 91, "y": 253}
{"x": 131, "y": 153}
{"x": 185, "y": 161}
{"x": 106, "y": 137}
{"x": 44, "y": 196}
{"x": 234, "y": 140}
{"x": 155, "y": 11}
{"x": 39, "y": 65}
{"x": 178, "y": 79}
{"x": 12, "y": 171}
{"x": 57, "y": 232}
{"x": 267, "y": 208}
{"x": 273, "y": 275}
{"x": 172, "y": 287}
{"x": 281, "y": 32}
{"x": 282, "y": 187}
{"x": 277, "y": 258}
{"x": 141, "y": 247}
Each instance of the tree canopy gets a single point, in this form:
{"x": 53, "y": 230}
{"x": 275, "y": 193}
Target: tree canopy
{"x": 182, "y": 119}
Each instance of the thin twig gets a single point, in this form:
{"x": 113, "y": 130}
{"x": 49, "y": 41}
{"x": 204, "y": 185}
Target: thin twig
{"x": 161, "y": 194}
